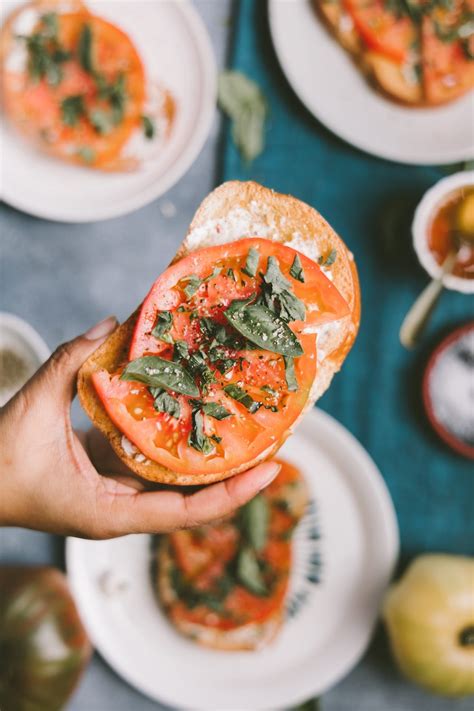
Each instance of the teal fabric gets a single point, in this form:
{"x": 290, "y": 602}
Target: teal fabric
{"x": 370, "y": 202}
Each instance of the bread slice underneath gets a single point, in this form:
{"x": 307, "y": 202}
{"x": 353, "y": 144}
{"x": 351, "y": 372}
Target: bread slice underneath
{"x": 233, "y": 211}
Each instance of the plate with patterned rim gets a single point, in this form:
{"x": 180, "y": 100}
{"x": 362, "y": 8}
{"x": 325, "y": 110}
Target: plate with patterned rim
{"x": 345, "y": 549}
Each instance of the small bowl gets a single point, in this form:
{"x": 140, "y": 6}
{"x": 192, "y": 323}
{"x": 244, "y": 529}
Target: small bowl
{"x": 433, "y": 199}
{"x": 19, "y": 337}
{"x": 431, "y": 400}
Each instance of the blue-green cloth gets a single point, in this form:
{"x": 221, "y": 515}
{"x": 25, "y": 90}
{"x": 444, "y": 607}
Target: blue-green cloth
{"x": 370, "y": 202}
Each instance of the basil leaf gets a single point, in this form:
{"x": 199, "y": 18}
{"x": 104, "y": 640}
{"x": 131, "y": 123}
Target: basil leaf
{"x": 84, "y": 49}
{"x": 274, "y": 278}
{"x": 290, "y": 375}
{"x": 329, "y": 259}
{"x": 231, "y": 274}
{"x": 149, "y": 127}
{"x": 164, "y": 402}
{"x": 255, "y": 517}
{"x": 296, "y": 269}
{"x": 164, "y": 321}
{"x": 264, "y": 328}
{"x": 269, "y": 390}
{"x": 278, "y": 296}
{"x": 102, "y": 121}
{"x": 72, "y": 109}
{"x": 197, "y": 438}
{"x": 158, "y": 372}
{"x": 216, "y": 410}
{"x": 243, "y": 102}
{"x": 225, "y": 365}
{"x": 251, "y": 265}
{"x": 193, "y": 284}
{"x": 216, "y": 438}
{"x": 291, "y": 308}
{"x": 249, "y": 573}
{"x": 180, "y": 351}
{"x": 50, "y": 23}
{"x": 86, "y": 153}
{"x": 241, "y": 396}
{"x": 197, "y": 364}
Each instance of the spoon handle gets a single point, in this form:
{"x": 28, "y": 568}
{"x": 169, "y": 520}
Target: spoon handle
{"x": 419, "y": 314}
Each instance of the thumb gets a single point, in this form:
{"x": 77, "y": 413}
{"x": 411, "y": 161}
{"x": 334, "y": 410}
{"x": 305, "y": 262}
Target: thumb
{"x": 60, "y": 371}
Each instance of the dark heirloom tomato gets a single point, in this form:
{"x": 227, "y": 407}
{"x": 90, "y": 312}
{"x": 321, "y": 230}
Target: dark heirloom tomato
{"x": 230, "y": 331}
{"x": 43, "y": 645}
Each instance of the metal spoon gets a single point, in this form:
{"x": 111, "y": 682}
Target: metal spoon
{"x": 419, "y": 314}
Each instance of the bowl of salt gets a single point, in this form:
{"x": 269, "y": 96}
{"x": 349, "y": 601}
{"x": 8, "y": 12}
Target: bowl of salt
{"x": 448, "y": 390}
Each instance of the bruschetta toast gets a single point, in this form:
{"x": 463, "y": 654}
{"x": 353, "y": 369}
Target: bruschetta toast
{"x": 224, "y": 585}
{"x": 417, "y": 53}
{"x": 234, "y": 342}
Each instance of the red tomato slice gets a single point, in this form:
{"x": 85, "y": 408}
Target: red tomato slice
{"x": 204, "y": 554}
{"x": 35, "y": 107}
{"x": 381, "y": 29}
{"x": 244, "y": 435}
{"x": 448, "y": 70}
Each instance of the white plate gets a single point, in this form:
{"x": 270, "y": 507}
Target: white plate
{"x": 176, "y": 50}
{"x": 327, "y": 81}
{"x": 348, "y": 541}
{"x": 18, "y": 336}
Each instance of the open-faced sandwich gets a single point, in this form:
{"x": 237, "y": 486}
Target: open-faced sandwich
{"x": 224, "y": 585}
{"x": 419, "y": 52}
{"x": 74, "y": 84}
{"x": 235, "y": 340}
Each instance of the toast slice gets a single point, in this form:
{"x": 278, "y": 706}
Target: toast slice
{"x": 438, "y": 66}
{"x": 232, "y": 211}
{"x": 203, "y": 556}
{"x": 399, "y": 82}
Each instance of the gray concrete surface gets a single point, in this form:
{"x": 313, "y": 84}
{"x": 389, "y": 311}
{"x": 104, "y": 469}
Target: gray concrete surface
{"x": 64, "y": 278}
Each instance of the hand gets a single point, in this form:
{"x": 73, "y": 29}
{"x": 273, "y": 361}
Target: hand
{"x": 49, "y": 483}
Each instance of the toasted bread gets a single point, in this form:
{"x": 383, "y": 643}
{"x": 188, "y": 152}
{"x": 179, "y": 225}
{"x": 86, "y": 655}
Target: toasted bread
{"x": 232, "y": 211}
{"x": 288, "y": 492}
{"x": 434, "y": 72}
{"x": 397, "y": 81}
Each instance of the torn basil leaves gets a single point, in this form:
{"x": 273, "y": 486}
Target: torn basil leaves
{"x": 251, "y": 264}
{"x": 261, "y": 326}
{"x": 239, "y": 395}
{"x": 296, "y": 269}
{"x": 158, "y": 372}
{"x": 164, "y": 402}
{"x": 164, "y": 322}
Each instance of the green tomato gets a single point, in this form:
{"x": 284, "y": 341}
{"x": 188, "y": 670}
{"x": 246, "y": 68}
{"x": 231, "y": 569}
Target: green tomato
{"x": 429, "y": 616}
{"x": 43, "y": 645}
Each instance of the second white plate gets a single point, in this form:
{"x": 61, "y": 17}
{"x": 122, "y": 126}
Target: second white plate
{"x": 176, "y": 50}
{"x": 327, "y": 81}
{"x": 345, "y": 549}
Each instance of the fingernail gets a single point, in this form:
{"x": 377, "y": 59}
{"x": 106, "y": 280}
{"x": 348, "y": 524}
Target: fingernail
{"x": 101, "y": 329}
{"x": 271, "y": 470}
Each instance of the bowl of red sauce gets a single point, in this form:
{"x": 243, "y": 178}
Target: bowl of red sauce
{"x": 448, "y": 390}
{"x": 443, "y": 222}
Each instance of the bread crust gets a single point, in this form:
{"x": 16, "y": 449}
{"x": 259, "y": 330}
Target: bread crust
{"x": 286, "y": 216}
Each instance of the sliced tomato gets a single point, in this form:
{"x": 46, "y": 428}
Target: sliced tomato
{"x": 205, "y": 554}
{"x": 448, "y": 60}
{"x": 243, "y": 435}
{"x": 381, "y": 29}
{"x": 35, "y": 107}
